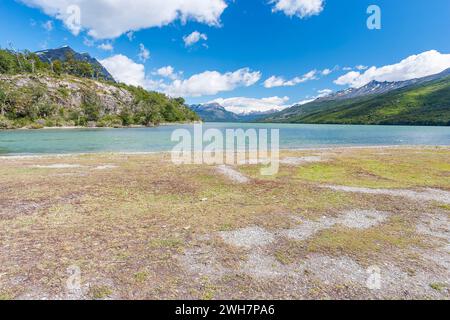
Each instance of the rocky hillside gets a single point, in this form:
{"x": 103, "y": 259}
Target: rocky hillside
{"x": 37, "y": 100}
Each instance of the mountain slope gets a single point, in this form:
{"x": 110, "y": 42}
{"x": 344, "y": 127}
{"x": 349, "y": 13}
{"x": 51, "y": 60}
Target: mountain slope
{"x": 423, "y": 101}
{"x": 66, "y": 53}
{"x": 214, "y": 112}
{"x": 377, "y": 87}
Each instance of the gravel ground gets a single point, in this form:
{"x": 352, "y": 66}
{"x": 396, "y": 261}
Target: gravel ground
{"x": 425, "y": 195}
{"x": 232, "y": 174}
{"x": 294, "y": 161}
{"x": 59, "y": 166}
{"x": 248, "y": 238}
{"x": 357, "y": 219}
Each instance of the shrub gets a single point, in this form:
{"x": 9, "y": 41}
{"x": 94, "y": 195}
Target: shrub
{"x": 5, "y": 123}
{"x": 50, "y": 123}
{"x": 110, "y": 121}
{"x": 35, "y": 126}
{"x": 21, "y": 122}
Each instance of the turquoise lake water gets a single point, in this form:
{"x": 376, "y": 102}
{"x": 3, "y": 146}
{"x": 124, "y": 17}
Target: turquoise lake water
{"x": 292, "y": 136}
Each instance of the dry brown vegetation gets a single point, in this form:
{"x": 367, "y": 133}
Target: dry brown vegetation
{"x": 139, "y": 227}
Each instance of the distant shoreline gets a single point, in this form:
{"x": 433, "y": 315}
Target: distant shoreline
{"x": 85, "y": 127}
{"x": 220, "y": 122}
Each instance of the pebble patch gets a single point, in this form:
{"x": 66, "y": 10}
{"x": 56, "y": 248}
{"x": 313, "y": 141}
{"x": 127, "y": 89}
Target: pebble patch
{"x": 356, "y": 219}
{"x": 105, "y": 167}
{"x": 232, "y": 174}
{"x": 247, "y": 238}
{"x": 425, "y": 195}
{"x": 58, "y": 166}
{"x": 295, "y": 161}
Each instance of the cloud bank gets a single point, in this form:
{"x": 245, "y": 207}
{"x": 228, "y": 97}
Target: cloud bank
{"x": 415, "y": 66}
{"x": 212, "y": 82}
{"x": 125, "y": 70}
{"x": 96, "y": 15}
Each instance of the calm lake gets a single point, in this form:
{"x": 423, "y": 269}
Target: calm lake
{"x": 292, "y": 136}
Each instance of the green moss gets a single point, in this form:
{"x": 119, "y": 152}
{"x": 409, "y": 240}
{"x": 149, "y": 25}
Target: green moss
{"x": 283, "y": 257}
{"x": 4, "y": 296}
{"x": 340, "y": 240}
{"x": 209, "y": 290}
{"x": 141, "y": 276}
{"x": 445, "y": 206}
{"x": 100, "y": 292}
{"x": 438, "y": 286}
{"x": 170, "y": 243}
{"x": 379, "y": 173}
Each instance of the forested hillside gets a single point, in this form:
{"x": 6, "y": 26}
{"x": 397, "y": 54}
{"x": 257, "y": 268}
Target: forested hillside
{"x": 35, "y": 94}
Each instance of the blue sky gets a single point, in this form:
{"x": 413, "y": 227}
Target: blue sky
{"x": 241, "y": 44}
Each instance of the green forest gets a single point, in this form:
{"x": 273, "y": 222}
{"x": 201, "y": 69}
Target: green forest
{"x": 36, "y": 94}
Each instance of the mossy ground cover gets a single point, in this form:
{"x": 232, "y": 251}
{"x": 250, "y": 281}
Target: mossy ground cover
{"x": 126, "y": 226}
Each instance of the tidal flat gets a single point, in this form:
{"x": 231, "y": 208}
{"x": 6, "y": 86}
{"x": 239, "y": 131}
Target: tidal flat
{"x": 337, "y": 223}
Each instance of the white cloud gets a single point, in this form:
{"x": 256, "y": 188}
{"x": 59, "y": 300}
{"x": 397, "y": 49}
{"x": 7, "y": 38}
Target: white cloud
{"x": 48, "y": 25}
{"x": 299, "y": 8}
{"x": 415, "y": 66}
{"x": 144, "y": 53}
{"x": 125, "y": 70}
{"x": 324, "y": 93}
{"x": 212, "y": 82}
{"x": 110, "y": 19}
{"x": 361, "y": 67}
{"x": 275, "y": 81}
{"x": 167, "y": 72}
{"x": 106, "y": 47}
{"x": 245, "y": 105}
{"x": 326, "y": 72}
{"x": 305, "y": 101}
{"x": 193, "y": 38}
{"x": 320, "y": 94}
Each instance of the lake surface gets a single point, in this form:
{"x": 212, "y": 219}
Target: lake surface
{"x": 292, "y": 136}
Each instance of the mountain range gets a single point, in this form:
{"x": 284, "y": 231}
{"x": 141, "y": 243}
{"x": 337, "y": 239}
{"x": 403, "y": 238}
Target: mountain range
{"x": 214, "y": 112}
{"x": 422, "y": 101}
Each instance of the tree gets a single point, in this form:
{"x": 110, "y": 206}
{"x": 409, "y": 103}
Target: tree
{"x": 2, "y": 101}
{"x": 91, "y": 106}
{"x": 58, "y": 67}
{"x": 84, "y": 69}
{"x": 7, "y": 62}
{"x": 149, "y": 113}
